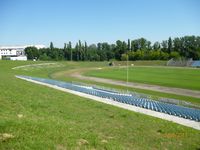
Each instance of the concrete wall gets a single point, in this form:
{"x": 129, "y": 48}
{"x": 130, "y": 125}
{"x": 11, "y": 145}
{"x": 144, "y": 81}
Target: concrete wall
{"x": 19, "y": 58}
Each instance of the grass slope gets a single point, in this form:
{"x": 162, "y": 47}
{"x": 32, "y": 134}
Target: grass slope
{"x": 164, "y": 76}
{"x": 39, "y": 117}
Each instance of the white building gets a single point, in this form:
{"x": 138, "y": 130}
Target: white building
{"x": 16, "y": 52}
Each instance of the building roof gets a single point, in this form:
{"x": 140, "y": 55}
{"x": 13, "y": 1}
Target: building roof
{"x": 21, "y": 46}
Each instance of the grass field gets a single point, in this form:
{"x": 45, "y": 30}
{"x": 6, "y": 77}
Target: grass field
{"x": 38, "y": 117}
{"x": 64, "y": 75}
{"x": 164, "y": 76}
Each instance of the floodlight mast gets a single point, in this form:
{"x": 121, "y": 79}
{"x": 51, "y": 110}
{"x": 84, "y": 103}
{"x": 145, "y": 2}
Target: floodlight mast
{"x": 127, "y": 59}
{"x": 71, "y": 54}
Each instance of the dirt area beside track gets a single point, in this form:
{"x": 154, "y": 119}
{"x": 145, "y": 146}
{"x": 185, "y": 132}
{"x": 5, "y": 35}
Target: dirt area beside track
{"x": 78, "y": 73}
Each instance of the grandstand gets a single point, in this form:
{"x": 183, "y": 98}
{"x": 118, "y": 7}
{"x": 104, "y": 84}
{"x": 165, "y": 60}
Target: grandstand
{"x": 196, "y": 63}
{"x": 182, "y": 62}
{"x": 135, "y": 100}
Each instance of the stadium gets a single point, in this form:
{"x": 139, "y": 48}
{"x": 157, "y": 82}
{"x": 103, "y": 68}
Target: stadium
{"x": 100, "y": 75}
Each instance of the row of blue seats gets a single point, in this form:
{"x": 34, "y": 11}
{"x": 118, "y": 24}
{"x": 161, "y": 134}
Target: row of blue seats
{"x": 196, "y": 63}
{"x": 171, "y": 109}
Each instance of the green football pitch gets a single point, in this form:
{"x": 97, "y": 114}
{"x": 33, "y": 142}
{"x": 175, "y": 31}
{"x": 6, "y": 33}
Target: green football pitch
{"x": 187, "y": 78}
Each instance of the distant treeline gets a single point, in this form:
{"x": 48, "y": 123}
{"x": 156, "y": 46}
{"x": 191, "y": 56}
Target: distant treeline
{"x": 138, "y": 49}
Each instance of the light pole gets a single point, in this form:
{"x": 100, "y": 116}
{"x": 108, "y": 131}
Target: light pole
{"x": 127, "y": 70}
{"x": 71, "y": 54}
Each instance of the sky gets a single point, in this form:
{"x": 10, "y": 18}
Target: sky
{"x": 42, "y": 21}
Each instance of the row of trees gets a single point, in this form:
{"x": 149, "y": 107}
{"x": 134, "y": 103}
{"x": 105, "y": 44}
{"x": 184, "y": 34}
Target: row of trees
{"x": 138, "y": 49}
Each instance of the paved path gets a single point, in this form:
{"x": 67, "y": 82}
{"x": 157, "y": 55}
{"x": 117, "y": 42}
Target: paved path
{"x": 33, "y": 65}
{"x": 163, "y": 89}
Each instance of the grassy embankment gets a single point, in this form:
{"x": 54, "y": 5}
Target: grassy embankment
{"x": 38, "y": 117}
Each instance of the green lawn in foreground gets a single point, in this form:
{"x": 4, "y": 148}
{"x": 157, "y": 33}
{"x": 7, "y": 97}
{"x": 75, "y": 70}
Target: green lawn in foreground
{"x": 52, "y": 119}
{"x": 171, "y": 77}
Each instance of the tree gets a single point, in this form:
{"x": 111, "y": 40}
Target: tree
{"x": 102, "y": 55}
{"x": 148, "y": 45}
{"x": 156, "y": 46}
{"x": 139, "y": 55}
{"x": 133, "y": 45}
{"x": 169, "y": 45}
{"x": 70, "y": 52}
{"x": 55, "y": 54}
{"x": 129, "y": 45}
{"x": 99, "y": 46}
{"x": 91, "y": 51}
{"x": 44, "y": 57}
{"x": 124, "y": 46}
{"x": 85, "y": 51}
{"x": 65, "y": 51}
{"x": 80, "y": 51}
{"x": 174, "y": 55}
{"x": 143, "y": 43}
{"x": 77, "y": 52}
{"x": 51, "y": 46}
{"x": 65, "y": 46}
{"x": 164, "y": 45}
{"x": 138, "y": 49}
{"x": 124, "y": 57}
{"x": 118, "y": 49}
{"x": 154, "y": 55}
{"x": 177, "y": 44}
{"x": 32, "y": 52}
{"x": 164, "y": 56}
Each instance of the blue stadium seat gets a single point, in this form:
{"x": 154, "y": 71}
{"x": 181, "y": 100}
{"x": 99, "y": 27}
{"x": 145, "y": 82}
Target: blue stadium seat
{"x": 171, "y": 109}
{"x": 196, "y": 63}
